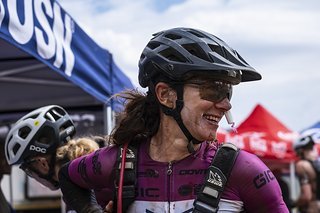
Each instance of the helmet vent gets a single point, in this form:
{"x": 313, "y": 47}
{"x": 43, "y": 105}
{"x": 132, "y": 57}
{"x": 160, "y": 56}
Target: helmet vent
{"x": 142, "y": 57}
{"x": 173, "y": 55}
{"x": 16, "y": 147}
{"x": 24, "y": 132}
{"x": 232, "y": 57}
{"x": 153, "y": 45}
{"x": 239, "y": 56}
{"x": 34, "y": 116}
{"x": 196, "y": 34}
{"x": 196, "y": 51}
{"x": 173, "y": 36}
{"x": 217, "y": 49}
{"x": 54, "y": 115}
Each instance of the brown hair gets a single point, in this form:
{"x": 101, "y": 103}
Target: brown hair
{"x": 140, "y": 118}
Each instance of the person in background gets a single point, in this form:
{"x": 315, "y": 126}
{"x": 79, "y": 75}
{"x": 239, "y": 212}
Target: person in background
{"x": 5, "y": 169}
{"x": 41, "y": 142}
{"x": 284, "y": 187}
{"x": 308, "y": 171}
{"x": 190, "y": 75}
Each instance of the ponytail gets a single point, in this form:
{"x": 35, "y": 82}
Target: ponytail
{"x": 140, "y": 117}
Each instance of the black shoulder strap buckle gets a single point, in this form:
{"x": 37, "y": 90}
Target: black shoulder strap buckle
{"x": 207, "y": 200}
{"x": 130, "y": 176}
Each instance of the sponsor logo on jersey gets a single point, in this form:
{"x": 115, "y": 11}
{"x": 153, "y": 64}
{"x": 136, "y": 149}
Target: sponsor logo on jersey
{"x": 82, "y": 169}
{"x": 192, "y": 171}
{"x": 96, "y": 164}
{"x": 263, "y": 178}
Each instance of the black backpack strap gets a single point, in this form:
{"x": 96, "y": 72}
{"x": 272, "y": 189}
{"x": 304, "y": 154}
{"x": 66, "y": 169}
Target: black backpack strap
{"x": 130, "y": 176}
{"x": 316, "y": 166}
{"x": 207, "y": 200}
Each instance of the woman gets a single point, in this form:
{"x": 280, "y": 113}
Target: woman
{"x": 41, "y": 142}
{"x": 189, "y": 75}
{"x": 308, "y": 171}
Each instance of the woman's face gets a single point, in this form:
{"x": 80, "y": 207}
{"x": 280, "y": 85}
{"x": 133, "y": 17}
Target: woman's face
{"x": 36, "y": 168}
{"x": 202, "y": 116}
{"x": 40, "y": 165}
{"x": 311, "y": 154}
{"x": 205, "y": 102}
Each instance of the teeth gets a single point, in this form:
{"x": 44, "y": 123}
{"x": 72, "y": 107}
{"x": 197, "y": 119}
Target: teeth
{"x": 211, "y": 118}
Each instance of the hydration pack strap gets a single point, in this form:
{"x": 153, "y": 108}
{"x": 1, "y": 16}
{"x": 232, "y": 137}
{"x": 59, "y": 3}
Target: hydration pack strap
{"x": 217, "y": 176}
{"x": 129, "y": 176}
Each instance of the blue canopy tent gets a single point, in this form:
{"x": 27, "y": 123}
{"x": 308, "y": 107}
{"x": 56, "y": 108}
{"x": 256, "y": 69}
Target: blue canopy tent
{"x": 315, "y": 131}
{"x": 314, "y": 126}
{"x": 44, "y": 31}
{"x": 46, "y": 58}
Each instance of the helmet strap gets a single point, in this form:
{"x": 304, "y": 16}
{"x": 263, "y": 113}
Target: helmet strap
{"x": 176, "y": 114}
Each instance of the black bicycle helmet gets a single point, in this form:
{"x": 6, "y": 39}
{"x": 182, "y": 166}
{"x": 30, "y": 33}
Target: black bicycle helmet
{"x": 39, "y": 132}
{"x": 178, "y": 51}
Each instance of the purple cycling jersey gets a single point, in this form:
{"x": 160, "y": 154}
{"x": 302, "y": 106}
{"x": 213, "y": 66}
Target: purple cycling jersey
{"x": 173, "y": 186}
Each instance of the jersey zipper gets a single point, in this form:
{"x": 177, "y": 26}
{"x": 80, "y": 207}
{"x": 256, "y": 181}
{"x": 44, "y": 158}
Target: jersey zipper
{"x": 169, "y": 172}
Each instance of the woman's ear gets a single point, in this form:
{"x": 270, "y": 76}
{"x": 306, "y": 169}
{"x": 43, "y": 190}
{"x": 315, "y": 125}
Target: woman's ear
{"x": 165, "y": 94}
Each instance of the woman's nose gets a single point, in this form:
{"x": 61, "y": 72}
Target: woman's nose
{"x": 225, "y": 104}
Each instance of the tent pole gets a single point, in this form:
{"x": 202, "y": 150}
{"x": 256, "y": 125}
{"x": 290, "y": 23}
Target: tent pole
{"x": 293, "y": 194}
{"x": 292, "y": 183}
{"x": 109, "y": 108}
{"x": 108, "y": 119}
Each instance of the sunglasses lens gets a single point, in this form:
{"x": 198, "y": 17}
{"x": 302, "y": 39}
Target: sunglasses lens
{"x": 214, "y": 91}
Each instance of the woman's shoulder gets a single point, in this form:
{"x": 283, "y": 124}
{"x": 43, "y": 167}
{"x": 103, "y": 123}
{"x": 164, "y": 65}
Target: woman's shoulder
{"x": 304, "y": 167}
{"x": 303, "y": 164}
{"x": 102, "y": 155}
{"x": 250, "y": 163}
{"x": 110, "y": 150}
{"x": 243, "y": 160}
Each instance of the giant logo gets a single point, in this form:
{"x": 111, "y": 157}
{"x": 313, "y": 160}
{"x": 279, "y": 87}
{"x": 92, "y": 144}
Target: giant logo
{"x": 263, "y": 178}
{"x": 43, "y": 20}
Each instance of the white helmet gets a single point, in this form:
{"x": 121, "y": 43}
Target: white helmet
{"x": 39, "y": 132}
{"x": 307, "y": 137}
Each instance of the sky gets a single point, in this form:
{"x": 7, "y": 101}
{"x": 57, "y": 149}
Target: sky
{"x": 279, "y": 38}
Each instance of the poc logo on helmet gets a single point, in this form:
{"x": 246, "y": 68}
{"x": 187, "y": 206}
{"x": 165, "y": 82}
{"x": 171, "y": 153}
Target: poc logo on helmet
{"x": 38, "y": 149}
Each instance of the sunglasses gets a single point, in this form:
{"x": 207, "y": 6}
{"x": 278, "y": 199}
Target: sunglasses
{"x": 27, "y": 168}
{"x": 214, "y": 91}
